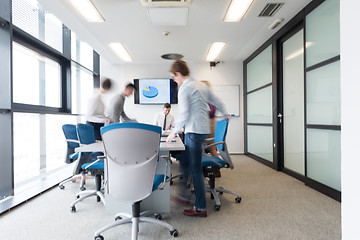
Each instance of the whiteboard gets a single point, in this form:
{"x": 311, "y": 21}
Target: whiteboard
{"x": 230, "y": 97}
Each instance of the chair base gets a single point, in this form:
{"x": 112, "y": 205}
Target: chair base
{"x": 135, "y": 219}
{"x": 74, "y": 178}
{"x": 214, "y": 190}
{"x": 89, "y": 193}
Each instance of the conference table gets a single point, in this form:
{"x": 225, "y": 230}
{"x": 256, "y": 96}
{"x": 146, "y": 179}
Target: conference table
{"x": 159, "y": 200}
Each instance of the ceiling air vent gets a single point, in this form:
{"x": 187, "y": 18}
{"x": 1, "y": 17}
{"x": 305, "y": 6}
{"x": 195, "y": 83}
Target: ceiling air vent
{"x": 166, "y": 3}
{"x": 270, "y": 9}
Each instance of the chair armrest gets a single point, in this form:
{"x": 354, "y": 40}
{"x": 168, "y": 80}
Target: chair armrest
{"x": 214, "y": 144}
{"x": 98, "y": 160}
{"x": 72, "y": 140}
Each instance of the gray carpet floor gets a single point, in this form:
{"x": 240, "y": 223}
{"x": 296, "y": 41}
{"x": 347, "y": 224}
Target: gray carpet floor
{"x": 274, "y": 206}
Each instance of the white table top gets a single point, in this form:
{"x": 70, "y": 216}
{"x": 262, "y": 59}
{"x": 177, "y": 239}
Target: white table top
{"x": 164, "y": 146}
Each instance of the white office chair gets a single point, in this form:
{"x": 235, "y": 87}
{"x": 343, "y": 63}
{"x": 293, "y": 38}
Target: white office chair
{"x": 132, "y": 151}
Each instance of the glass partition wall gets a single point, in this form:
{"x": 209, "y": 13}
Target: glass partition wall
{"x": 323, "y": 107}
{"x": 259, "y": 106}
{"x": 292, "y": 99}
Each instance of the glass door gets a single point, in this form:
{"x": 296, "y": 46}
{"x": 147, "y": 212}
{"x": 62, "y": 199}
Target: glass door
{"x": 292, "y": 116}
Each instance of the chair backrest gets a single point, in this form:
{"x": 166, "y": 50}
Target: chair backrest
{"x": 221, "y": 128}
{"x": 69, "y": 131}
{"x": 131, "y": 151}
{"x": 220, "y": 132}
{"x": 85, "y": 133}
{"x": 70, "y": 134}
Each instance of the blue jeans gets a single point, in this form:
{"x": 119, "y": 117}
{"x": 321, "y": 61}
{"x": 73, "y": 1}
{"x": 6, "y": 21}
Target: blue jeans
{"x": 191, "y": 163}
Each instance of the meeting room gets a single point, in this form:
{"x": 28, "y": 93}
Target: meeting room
{"x": 188, "y": 119}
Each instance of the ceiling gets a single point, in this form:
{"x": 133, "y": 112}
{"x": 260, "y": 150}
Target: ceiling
{"x": 127, "y": 21}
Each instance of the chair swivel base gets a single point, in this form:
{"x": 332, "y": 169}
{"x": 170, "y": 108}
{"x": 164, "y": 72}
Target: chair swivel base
{"x": 89, "y": 193}
{"x": 135, "y": 219}
{"x": 86, "y": 194}
{"x": 82, "y": 178}
{"x": 214, "y": 190}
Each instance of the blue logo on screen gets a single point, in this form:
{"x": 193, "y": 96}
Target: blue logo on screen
{"x": 150, "y": 92}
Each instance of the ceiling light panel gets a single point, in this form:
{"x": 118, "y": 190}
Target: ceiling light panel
{"x": 214, "y": 51}
{"x": 121, "y": 52}
{"x": 88, "y": 10}
{"x": 237, "y": 10}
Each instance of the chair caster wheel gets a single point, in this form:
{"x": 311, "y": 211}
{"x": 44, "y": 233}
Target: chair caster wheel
{"x": 82, "y": 189}
{"x": 118, "y": 218}
{"x": 61, "y": 187}
{"x": 221, "y": 193}
{"x": 238, "y": 199}
{"x": 99, "y": 237}
{"x": 73, "y": 209}
{"x": 217, "y": 208}
{"x": 77, "y": 196}
{"x": 171, "y": 182}
{"x": 174, "y": 233}
{"x": 158, "y": 216}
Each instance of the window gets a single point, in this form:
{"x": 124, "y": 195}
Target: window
{"x": 37, "y": 97}
{"x": 82, "y": 88}
{"x": 81, "y": 52}
{"x": 31, "y": 17}
{"x": 36, "y": 78}
{"x": 39, "y": 144}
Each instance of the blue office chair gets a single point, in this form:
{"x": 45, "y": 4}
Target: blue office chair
{"x": 94, "y": 165}
{"x": 71, "y": 137}
{"x": 132, "y": 151}
{"x": 213, "y": 164}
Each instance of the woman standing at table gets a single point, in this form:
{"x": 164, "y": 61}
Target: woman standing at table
{"x": 193, "y": 116}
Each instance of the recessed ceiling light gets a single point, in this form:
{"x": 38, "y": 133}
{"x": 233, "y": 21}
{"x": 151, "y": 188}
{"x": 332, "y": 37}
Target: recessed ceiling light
{"x": 121, "y": 52}
{"x": 214, "y": 51}
{"x": 88, "y": 10}
{"x": 237, "y": 10}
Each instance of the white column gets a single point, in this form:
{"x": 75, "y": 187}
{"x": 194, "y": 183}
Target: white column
{"x": 350, "y": 117}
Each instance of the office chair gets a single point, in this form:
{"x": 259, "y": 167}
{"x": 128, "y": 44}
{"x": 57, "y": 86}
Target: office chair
{"x": 71, "y": 137}
{"x": 213, "y": 164}
{"x": 93, "y": 166}
{"x": 132, "y": 151}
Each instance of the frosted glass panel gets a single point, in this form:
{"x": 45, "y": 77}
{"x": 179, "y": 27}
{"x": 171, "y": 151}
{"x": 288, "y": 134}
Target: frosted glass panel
{"x": 293, "y": 98}
{"x": 323, "y": 95}
{"x": 324, "y": 157}
{"x": 260, "y": 141}
{"x": 259, "y": 70}
{"x": 323, "y": 32}
{"x": 259, "y": 106}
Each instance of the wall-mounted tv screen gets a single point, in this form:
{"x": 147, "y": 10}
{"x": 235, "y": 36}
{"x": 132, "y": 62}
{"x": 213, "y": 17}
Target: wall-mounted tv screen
{"x": 155, "y": 91}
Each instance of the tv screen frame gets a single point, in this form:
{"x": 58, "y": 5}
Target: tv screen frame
{"x": 155, "y": 91}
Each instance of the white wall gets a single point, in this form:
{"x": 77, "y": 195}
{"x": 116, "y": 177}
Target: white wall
{"x": 222, "y": 74}
{"x": 350, "y": 118}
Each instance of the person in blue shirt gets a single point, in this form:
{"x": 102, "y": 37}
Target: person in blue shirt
{"x": 193, "y": 116}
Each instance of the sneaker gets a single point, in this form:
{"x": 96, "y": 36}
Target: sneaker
{"x": 195, "y": 213}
